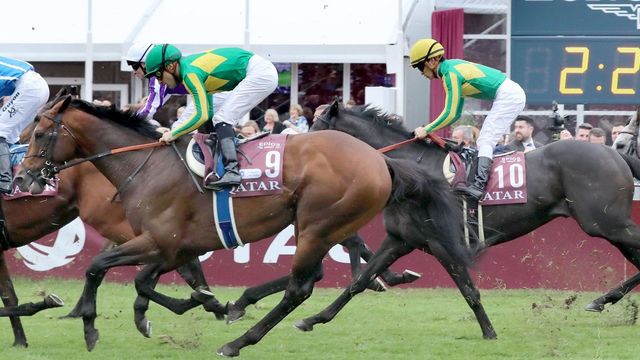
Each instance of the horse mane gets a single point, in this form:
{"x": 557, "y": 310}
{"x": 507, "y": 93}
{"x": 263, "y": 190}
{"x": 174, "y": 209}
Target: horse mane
{"x": 127, "y": 119}
{"x": 380, "y": 119}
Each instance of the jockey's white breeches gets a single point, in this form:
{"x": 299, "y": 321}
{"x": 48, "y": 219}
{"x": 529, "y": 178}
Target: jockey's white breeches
{"x": 261, "y": 80}
{"x": 20, "y": 110}
{"x": 509, "y": 102}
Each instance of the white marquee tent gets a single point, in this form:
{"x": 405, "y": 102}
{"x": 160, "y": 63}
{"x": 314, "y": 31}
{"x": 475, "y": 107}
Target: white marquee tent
{"x": 294, "y": 31}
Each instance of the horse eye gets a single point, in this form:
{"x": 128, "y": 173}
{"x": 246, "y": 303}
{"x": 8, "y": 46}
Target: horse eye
{"x": 38, "y": 134}
{"x": 619, "y": 146}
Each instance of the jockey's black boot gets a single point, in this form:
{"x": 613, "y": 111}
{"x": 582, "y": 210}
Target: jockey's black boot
{"x": 227, "y": 144}
{"x": 476, "y": 190}
{"x": 6, "y": 178}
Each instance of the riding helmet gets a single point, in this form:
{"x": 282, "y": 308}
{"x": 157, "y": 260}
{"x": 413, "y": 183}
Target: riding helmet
{"x": 159, "y": 56}
{"x": 425, "y": 49}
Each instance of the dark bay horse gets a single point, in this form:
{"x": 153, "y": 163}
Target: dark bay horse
{"x": 588, "y": 182}
{"x": 333, "y": 184}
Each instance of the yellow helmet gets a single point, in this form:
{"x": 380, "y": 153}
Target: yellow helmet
{"x": 425, "y": 49}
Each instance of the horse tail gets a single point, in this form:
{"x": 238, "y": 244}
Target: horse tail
{"x": 633, "y": 163}
{"x": 412, "y": 183}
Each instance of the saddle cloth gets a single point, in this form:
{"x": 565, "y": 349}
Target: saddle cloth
{"x": 507, "y": 180}
{"x": 261, "y": 162}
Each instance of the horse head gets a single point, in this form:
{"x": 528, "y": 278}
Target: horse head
{"x": 627, "y": 141}
{"x": 51, "y": 143}
{"x": 366, "y": 123}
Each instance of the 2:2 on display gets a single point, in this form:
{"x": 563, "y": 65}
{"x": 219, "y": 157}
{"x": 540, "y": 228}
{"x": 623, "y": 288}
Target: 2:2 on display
{"x": 577, "y": 71}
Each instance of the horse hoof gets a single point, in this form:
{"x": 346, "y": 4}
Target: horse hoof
{"x": 228, "y": 351}
{"x": 594, "y": 307}
{"x": 144, "y": 327}
{"x": 304, "y": 326}
{"x": 53, "y": 301}
{"x": 377, "y": 285}
{"x": 490, "y": 336}
{"x": 410, "y": 276}
{"x": 234, "y": 314}
{"x": 21, "y": 344}
{"x": 91, "y": 338}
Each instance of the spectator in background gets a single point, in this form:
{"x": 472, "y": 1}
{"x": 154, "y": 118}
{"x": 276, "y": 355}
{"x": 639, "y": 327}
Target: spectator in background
{"x": 350, "y": 104}
{"x": 615, "y": 131}
{"x": 582, "y": 134}
{"x": 597, "y": 136}
{"x": 250, "y": 129}
{"x": 297, "y": 122}
{"x": 523, "y": 135}
{"x": 464, "y": 134}
{"x": 272, "y": 122}
{"x": 566, "y": 135}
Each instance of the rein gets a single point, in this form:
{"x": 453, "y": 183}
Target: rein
{"x": 433, "y": 137}
{"x": 47, "y": 152}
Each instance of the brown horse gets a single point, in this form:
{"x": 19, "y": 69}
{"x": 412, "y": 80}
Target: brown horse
{"x": 332, "y": 185}
{"x": 83, "y": 191}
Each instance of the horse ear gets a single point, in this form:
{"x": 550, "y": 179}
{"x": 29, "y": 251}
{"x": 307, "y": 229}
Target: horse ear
{"x": 334, "y": 108}
{"x": 61, "y": 104}
{"x": 62, "y": 92}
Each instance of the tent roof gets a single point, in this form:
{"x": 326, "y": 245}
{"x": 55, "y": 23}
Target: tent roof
{"x": 283, "y": 30}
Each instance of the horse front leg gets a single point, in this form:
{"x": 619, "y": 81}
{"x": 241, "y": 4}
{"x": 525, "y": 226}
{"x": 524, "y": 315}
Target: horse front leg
{"x": 299, "y": 289}
{"x": 390, "y": 278}
{"x": 252, "y": 295}
{"x": 9, "y": 298}
{"x": 460, "y": 275}
{"x": 136, "y": 251}
{"x": 193, "y": 275}
{"x": 390, "y": 250}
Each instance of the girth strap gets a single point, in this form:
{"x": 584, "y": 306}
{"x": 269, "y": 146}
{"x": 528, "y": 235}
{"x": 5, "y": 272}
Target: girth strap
{"x": 5, "y": 238}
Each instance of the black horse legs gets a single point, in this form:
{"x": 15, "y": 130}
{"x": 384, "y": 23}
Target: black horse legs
{"x": 389, "y": 252}
{"x": 298, "y": 290}
{"x": 460, "y": 275}
{"x": 614, "y": 295}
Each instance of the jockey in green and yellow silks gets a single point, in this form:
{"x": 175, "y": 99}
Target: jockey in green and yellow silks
{"x": 462, "y": 79}
{"x": 247, "y": 77}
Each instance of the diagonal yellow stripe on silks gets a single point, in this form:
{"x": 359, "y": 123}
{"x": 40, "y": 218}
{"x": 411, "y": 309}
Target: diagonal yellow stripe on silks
{"x": 213, "y": 83}
{"x": 469, "y": 71}
{"x": 208, "y": 62}
{"x": 469, "y": 90}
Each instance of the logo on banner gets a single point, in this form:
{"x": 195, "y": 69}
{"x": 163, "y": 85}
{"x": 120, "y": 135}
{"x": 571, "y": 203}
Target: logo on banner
{"x": 629, "y": 11}
{"x": 68, "y": 242}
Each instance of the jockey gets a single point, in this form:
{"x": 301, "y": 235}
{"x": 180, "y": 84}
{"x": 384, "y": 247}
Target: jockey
{"x": 248, "y": 77}
{"x": 158, "y": 93}
{"x": 463, "y": 78}
{"x": 26, "y": 93}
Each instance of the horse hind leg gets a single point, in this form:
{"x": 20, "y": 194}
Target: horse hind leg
{"x": 389, "y": 252}
{"x": 616, "y": 294}
{"x": 298, "y": 290}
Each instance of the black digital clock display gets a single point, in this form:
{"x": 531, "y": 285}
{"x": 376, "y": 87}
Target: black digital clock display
{"x": 577, "y": 52}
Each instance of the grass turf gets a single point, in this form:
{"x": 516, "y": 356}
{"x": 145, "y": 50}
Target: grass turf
{"x": 398, "y": 324}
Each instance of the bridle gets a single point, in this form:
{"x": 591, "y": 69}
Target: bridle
{"x": 50, "y": 169}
